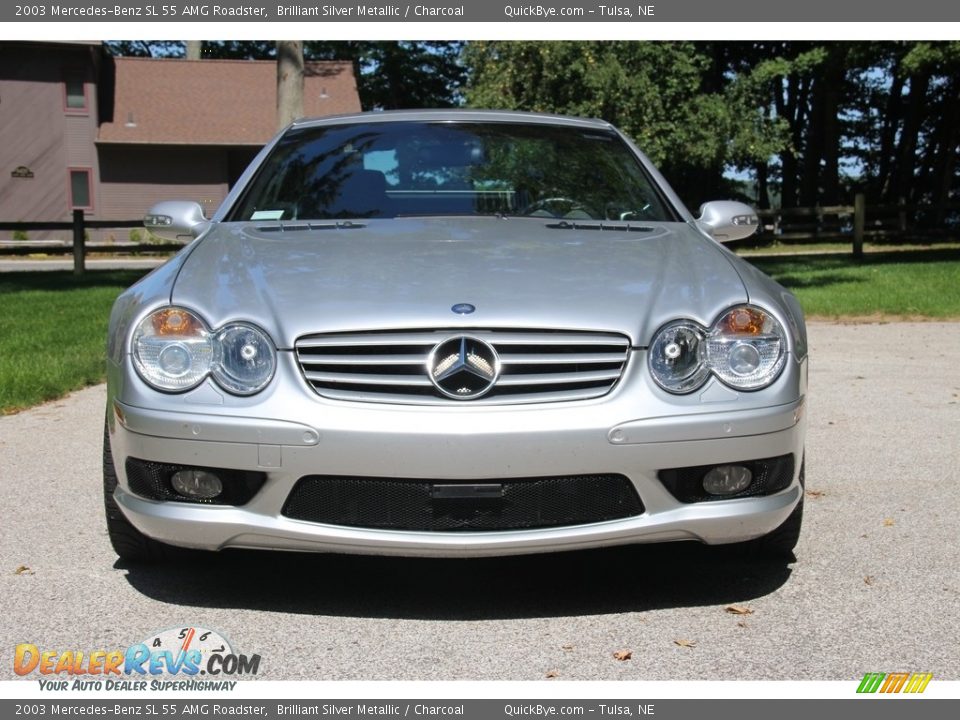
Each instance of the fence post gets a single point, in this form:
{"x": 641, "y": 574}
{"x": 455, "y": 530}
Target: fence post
{"x": 859, "y": 223}
{"x": 79, "y": 249}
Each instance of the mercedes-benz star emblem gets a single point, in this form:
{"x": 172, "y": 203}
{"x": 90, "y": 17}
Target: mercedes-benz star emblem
{"x": 464, "y": 367}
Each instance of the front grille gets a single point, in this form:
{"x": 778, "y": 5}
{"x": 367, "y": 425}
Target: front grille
{"x": 770, "y": 475}
{"x": 400, "y": 504}
{"x": 391, "y": 367}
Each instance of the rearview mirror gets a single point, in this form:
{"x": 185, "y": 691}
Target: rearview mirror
{"x": 728, "y": 220}
{"x": 178, "y": 220}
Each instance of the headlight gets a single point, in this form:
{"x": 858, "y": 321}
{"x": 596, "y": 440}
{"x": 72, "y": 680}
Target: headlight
{"x": 174, "y": 350}
{"x": 745, "y": 348}
{"x": 247, "y": 359}
{"x": 677, "y": 357}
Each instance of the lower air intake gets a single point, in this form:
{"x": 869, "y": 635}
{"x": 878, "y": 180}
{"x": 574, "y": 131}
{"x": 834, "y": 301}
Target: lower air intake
{"x": 430, "y": 505}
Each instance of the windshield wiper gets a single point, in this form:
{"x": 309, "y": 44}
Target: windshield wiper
{"x": 616, "y": 226}
{"x": 303, "y": 225}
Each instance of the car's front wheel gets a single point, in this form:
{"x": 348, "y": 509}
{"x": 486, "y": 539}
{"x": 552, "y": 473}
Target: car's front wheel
{"x": 128, "y": 542}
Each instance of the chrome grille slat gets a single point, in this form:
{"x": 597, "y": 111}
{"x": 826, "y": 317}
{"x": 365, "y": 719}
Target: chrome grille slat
{"x": 429, "y": 338}
{"x": 362, "y": 359}
{"x": 390, "y": 366}
{"x": 572, "y": 339}
{"x": 561, "y": 359}
{"x": 371, "y": 379}
{"x": 557, "y": 378}
{"x": 401, "y": 399}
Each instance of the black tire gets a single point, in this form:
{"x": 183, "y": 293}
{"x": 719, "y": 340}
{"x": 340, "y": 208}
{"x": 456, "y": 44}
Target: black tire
{"x": 128, "y": 542}
{"x": 779, "y": 544}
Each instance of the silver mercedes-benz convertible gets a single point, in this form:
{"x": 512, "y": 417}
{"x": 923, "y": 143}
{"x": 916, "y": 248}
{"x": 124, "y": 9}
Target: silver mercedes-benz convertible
{"x": 453, "y": 333}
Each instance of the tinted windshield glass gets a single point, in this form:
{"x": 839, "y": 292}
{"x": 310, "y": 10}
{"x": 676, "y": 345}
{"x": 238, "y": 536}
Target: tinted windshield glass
{"x": 396, "y": 169}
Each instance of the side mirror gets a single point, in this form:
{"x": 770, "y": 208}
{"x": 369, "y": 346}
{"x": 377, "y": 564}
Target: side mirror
{"x": 728, "y": 220}
{"x": 178, "y": 220}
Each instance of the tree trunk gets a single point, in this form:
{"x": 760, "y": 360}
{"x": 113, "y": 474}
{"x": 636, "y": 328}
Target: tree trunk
{"x": 835, "y": 75}
{"x": 891, "y": 123}
{"x": 903, "y": 175}
{"x": 948, "y": 137}
{"x": 194, "y": 48}
{"x": 289, "y": 81}
{"x": 791, "y": 106}
{"x": 820, "y": 183}
{"x": 763, "y": 192}
{"x": 813, "y": 144}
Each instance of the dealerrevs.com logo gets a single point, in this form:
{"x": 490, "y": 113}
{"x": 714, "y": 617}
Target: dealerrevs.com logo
{"x": 186, "y": 658}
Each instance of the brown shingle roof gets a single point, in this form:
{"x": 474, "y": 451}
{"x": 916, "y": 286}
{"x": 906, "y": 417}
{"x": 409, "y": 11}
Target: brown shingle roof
{"x": 215, "y": 102}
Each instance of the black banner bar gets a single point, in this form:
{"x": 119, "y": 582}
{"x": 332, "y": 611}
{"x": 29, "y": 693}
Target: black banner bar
{"x": 212, "y": 707}
{"x": 535, "y": 11}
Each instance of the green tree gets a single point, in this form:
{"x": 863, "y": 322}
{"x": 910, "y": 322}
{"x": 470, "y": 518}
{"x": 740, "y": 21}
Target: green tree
{"x": 671, "y": 98}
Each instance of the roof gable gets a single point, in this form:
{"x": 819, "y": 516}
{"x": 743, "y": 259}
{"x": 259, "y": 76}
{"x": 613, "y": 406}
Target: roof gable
{"x": 215, "y": 102}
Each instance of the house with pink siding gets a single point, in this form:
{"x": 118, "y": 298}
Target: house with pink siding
{"x": 113, "y": 135}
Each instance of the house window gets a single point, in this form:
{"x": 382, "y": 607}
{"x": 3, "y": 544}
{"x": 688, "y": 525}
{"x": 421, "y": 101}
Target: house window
{"x": 75, "y": 95}
{"x": 81, "y": 197}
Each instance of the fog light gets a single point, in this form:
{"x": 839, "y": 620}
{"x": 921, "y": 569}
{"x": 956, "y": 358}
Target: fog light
{"x": 727, "y": 480}
{"x": 196, "y": 484}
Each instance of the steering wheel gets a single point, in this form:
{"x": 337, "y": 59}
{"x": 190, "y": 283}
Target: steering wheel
{"x": 558, "y": 206}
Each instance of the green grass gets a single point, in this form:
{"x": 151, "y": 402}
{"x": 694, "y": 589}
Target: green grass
{"x": 53, "y": 329}
{"x": 905, "y": 284}
{"x": 53, "y": 326}
{"x": 778, "y": 248}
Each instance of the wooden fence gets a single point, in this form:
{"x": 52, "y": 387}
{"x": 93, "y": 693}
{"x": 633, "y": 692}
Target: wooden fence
{"x": 79, "y": 246}
{"x": 853, "y": 224}
{"x": 843, "y": 223}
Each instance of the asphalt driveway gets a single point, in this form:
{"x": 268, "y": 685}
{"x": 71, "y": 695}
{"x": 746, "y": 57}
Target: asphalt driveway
{"x": 876, "y": 586}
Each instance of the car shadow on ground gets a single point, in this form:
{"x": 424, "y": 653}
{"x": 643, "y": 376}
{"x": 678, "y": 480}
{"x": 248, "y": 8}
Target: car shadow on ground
{"x": 595, "y": 582}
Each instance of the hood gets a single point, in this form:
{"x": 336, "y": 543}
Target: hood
{"x": 407, "y": 273}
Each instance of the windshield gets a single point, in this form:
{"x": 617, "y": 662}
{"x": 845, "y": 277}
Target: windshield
{"x": 397, "y": 169}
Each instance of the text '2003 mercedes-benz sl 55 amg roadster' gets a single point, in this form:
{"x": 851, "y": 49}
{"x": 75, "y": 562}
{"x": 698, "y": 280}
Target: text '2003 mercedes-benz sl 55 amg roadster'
{"x": 453, "y": 333}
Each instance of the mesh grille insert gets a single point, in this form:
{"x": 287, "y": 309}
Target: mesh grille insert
{"x": 401, "y": 504}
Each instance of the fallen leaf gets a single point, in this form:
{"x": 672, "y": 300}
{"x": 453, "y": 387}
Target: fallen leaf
{"x": 888, "y": 522}
{"x": 568, "y": 648}
{"x": 815, "y": 494}
{"x": 685, "y": 643}
{"x": 23, "y": 570}
{"x": 623, "y": 654}
{"x": 868, "y": 580}
{"x": 552, "y": 674}
{"x": 739, "y": 610}
{"x": 741, "y": 624}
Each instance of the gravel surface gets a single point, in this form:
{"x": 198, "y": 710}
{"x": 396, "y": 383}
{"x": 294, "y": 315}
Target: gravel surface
{"x": 876, "y": 586}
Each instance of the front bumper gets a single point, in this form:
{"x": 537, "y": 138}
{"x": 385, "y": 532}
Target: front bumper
{"x": 450, "y": 445}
